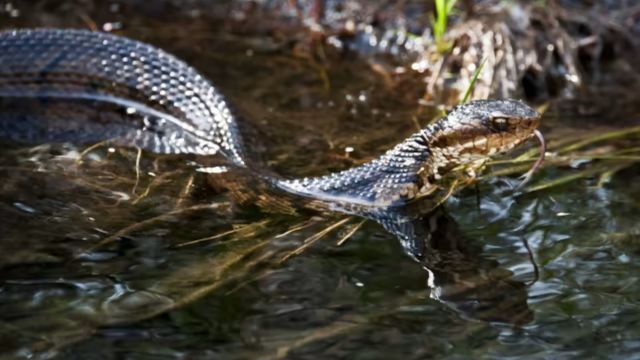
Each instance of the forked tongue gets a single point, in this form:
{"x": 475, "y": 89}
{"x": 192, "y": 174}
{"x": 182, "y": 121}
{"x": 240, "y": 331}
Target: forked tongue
{"x": 543, "y": 149}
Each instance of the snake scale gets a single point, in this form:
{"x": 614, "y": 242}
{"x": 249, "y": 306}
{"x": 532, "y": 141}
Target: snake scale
{"x": 166, "y": 106}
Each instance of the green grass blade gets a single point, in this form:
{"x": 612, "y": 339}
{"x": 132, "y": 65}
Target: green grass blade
{"x": 606, "y": 136}
{"x": 443, "y": 11}
{"x": 472, "y": 84}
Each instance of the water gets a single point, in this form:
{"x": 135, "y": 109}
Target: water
{"x": 100, "y": 260}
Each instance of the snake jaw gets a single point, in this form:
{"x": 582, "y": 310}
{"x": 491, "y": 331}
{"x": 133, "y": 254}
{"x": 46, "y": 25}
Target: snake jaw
{"x": 480, "y": 129}
{"x": 463, "y": 141}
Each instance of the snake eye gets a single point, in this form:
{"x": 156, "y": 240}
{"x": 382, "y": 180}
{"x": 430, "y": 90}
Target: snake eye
{"x": 500, "y": 123}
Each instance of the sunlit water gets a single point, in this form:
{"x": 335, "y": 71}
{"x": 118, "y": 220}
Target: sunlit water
{"x": 100, "y": 260}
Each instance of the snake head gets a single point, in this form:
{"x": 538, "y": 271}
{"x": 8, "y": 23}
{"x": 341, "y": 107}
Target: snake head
{"x": 477, "y": 130}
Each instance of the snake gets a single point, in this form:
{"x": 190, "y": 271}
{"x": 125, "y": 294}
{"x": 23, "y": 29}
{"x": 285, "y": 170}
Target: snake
{"x": 104, "y": 87}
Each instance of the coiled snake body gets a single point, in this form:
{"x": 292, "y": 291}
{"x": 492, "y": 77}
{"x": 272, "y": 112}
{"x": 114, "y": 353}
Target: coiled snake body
{"x": 178, "y": 111}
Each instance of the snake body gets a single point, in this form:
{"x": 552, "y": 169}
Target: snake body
{"x": 166, "y": 106}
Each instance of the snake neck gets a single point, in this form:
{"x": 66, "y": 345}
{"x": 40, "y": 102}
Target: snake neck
{"x": 402, "y": 173}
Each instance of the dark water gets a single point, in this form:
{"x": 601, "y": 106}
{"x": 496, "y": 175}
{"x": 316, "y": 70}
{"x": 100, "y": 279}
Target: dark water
{"x": 99, "y": 261}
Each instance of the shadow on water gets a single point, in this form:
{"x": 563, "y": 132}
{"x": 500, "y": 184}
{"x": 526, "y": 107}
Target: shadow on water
{"x": 109, "y": 252}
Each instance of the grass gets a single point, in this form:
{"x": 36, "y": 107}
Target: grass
{"x": 443, "y": 11}
{"x": 472, "y": 84}
{"x": 599, "y": 152}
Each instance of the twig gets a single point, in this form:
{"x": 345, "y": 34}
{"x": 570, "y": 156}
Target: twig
{"x": 350, "y": 233}
{"x": 312, "y": 239}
